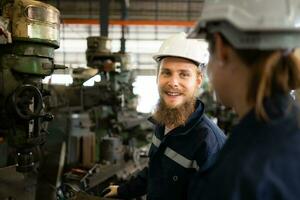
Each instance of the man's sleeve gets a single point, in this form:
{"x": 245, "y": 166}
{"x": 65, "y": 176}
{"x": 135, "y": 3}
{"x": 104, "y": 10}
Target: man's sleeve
{"x": 135, "y": 187}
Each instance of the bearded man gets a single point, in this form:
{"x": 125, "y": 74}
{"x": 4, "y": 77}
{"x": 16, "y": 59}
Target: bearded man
{"x": 185, "y": 140}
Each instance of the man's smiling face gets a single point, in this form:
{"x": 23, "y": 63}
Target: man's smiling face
{"x": 178, "y": 80}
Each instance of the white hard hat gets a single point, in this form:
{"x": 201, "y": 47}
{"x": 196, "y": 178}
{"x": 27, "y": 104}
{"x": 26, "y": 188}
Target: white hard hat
{"x": 179, "y": 46}
{"x": 262, "y": 24}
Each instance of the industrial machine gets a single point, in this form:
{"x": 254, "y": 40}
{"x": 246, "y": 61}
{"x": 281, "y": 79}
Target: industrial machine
{"x": 29, "y": 34}
{"x": 104, "y": 129}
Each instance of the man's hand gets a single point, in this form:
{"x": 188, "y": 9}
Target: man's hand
{"x": 111, "y": 191}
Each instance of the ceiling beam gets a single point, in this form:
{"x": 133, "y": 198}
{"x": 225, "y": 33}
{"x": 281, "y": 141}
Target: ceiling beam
{"x": 131, "y": 22}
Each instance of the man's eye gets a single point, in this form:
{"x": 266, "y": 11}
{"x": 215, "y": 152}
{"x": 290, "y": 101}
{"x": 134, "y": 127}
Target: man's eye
{"x": 184, "y": 75}
{"x": 165, "y": 73}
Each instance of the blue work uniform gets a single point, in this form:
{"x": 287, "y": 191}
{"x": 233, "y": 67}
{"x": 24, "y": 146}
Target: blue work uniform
{"x": 260, "y": 160}
{"x": 175, "y": 157}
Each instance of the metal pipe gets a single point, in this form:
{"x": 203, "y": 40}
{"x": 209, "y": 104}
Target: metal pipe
{"x": 104, "y": 17}
{"x": 124, "y": 12}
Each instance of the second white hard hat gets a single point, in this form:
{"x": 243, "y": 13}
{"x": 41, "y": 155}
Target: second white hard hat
{"x": 179, "y": 46}
{"x": 249, "y": 24}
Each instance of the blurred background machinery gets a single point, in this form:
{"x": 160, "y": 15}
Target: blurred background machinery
{"x": 29, "y": 35}
{"x": 102, "y": 124}
{"x": 224, "y": 117}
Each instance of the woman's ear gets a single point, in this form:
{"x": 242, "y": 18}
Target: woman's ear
{"x": 221, "y": 49}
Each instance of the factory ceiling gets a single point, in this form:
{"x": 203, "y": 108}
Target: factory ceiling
{"x": 143, "y": 10}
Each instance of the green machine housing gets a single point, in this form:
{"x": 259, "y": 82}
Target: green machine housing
{"x": 29, "y": 34}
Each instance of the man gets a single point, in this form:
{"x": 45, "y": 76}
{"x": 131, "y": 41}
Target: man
{"x": 185, "y": 140}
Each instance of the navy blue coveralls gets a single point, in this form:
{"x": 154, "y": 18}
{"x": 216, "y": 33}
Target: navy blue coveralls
{"x": 260, "y": 161}
{"x": 175, "y": 157}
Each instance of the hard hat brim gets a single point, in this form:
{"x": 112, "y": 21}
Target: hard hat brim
{"x": 159, "y": 57}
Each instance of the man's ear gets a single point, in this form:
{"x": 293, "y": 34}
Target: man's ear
{"x": 157, "y": 71}
{"x": 221, "y": 49}
{"x": 199, "y": 78}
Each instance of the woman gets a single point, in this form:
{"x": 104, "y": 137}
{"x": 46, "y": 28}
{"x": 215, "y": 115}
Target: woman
{"x": 253, "y": 69}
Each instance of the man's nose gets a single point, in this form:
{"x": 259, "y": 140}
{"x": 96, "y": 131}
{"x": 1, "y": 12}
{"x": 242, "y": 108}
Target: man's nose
{"x": 173, "y": 81}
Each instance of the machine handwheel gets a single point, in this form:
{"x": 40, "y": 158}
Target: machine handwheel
{"x": 27, "y": 102}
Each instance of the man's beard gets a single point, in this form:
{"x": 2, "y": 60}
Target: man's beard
{"x": 175, "y": 116}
